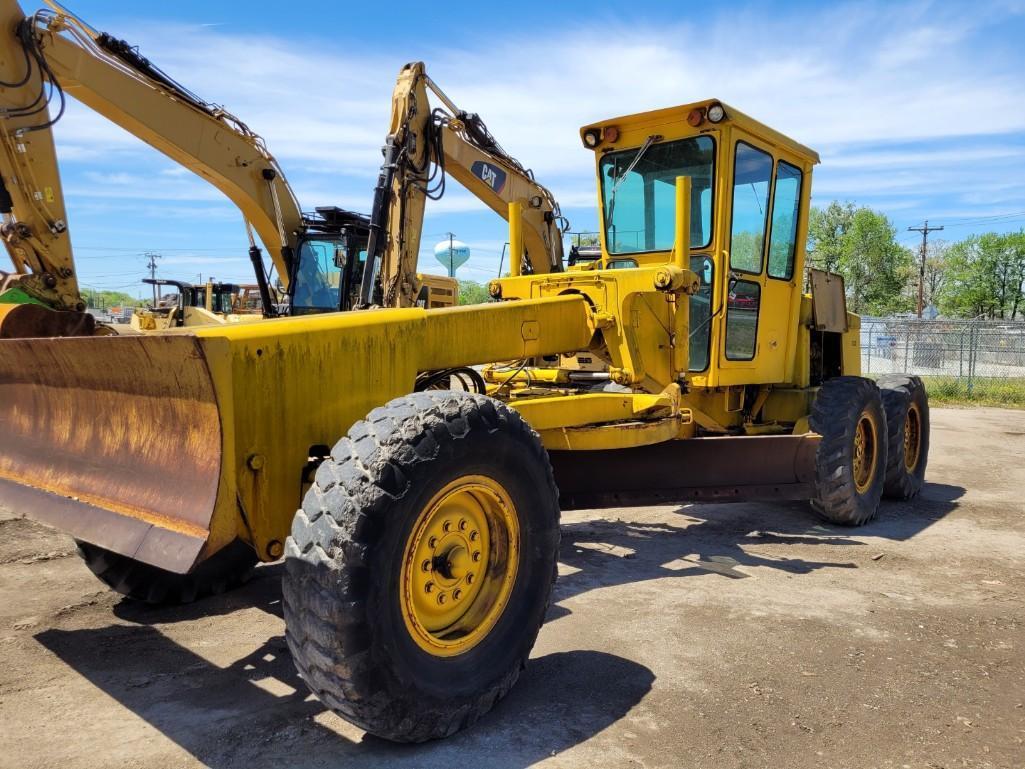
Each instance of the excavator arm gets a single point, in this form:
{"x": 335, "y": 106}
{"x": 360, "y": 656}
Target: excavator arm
{"x": 424, "y": 145}
{"x": 52, "y": 53}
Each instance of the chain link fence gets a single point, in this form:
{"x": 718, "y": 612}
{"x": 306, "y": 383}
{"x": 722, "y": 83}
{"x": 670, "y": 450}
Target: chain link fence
{"x": 959, "y": 359}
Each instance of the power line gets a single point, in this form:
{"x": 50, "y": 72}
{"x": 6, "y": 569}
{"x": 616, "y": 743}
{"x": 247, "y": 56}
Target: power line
{"x": 925, "y": 229}
{"x": 136, "y": 249}
{"x": 988, "y": 221}
{"x": 971, "y": 220}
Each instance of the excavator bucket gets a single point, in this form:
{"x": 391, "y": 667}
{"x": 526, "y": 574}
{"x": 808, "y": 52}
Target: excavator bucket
{"x": 27, "y": 320}
{"x": 115, "y": 440}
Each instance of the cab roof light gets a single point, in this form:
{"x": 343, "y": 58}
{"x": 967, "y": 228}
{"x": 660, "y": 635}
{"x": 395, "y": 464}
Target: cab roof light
{"x": 593, "y": 137}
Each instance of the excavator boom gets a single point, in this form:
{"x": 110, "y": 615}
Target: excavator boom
{"x": 52, "y": 54}
{"x": 424, "y": 145}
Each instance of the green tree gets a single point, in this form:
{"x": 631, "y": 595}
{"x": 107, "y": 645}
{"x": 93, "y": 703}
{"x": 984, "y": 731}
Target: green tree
{"x": 104, "y": 300}
{"x": 471, "y": 292}
{"x": 861, "y": 245}
{"x": 827, "y": 229}
{"x": 935, "y": 272}
{"x": 984, "y": 277}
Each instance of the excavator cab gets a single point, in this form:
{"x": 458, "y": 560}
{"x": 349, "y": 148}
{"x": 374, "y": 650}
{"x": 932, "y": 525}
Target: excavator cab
{"x": 329, "y": 262}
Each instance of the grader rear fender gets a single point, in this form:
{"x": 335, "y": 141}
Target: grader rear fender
{"x": 117, "y": 441}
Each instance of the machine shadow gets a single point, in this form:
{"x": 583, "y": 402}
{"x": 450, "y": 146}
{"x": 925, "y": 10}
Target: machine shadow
{"x": 714, "y": 538}
{"x": 257, "y": 712}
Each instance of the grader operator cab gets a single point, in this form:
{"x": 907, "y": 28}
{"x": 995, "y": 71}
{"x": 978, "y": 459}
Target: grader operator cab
{"x": 420, "y": 562}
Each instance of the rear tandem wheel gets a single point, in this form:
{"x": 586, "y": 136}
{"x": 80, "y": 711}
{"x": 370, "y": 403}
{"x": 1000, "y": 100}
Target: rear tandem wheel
{"x": 907, "y": 417}
{"x": 850, "y": 463}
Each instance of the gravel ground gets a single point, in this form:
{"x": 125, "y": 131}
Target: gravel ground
{"x": 696, "y": 636}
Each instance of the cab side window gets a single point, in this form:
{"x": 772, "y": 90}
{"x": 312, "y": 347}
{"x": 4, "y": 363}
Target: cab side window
{"x": 701, "y": 313}
{"x": 752, "y": 175}
{"x": 785, "y": 210}
{"x": 742, "y": 307}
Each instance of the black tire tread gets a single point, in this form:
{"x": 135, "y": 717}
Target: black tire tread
{"x": 897, "y": 391}
{"x": 326, "y": 586}
{"x": 834, "y": 413}
{"x": 228, "y": 568}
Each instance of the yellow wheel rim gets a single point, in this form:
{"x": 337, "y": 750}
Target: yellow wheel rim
{"x": 912, "y": 438}
{"x": 865, "y": 448}
{"x": 459, "y": 565}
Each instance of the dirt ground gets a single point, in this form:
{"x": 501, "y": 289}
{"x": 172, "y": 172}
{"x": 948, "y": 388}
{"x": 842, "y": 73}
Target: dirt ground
{"x": 696, "y": 636}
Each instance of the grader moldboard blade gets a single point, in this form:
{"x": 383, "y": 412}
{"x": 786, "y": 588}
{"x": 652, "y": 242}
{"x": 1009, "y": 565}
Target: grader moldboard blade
{"x": 115, "y": 440}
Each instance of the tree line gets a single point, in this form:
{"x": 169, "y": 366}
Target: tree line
{"x": 105, "y": 300}
{"x": 981, "y": 276}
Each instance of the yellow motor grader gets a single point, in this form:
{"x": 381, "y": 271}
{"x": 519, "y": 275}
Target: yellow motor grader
{"x": 420, "y": 526}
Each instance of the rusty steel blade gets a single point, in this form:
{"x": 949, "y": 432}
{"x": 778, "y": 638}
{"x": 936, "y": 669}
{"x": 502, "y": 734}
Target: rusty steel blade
{"x": 115, "y": 440}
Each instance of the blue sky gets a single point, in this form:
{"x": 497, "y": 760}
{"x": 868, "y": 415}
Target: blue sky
{"x": 918, "y": 109}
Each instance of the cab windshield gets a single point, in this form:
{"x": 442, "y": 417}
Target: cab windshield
{"x": 318, "y": 277}
{"x": 639, "y": 199}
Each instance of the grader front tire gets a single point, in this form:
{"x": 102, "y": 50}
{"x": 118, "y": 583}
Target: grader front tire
{"x": 224, "y": 570}
{"x": 421, "y": 564}
{"x": 850, "y": 465}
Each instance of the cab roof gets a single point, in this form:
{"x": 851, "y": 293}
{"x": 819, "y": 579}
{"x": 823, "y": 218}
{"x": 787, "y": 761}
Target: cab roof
{"x": 734, "y": 116}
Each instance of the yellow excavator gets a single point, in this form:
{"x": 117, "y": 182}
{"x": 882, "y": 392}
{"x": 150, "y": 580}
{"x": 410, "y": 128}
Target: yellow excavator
{"x": 318, "y": 257}
{"x": 420, "y": 526}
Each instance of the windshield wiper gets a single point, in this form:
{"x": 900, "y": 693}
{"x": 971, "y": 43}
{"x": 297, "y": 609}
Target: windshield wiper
{"x": 633, "y": 164}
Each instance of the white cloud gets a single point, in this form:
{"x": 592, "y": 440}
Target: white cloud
{"x": 859, "y": 81}
{"x": 850, "y": 81}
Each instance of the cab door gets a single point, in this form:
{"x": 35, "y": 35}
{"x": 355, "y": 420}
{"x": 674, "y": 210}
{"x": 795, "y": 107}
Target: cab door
{"x": 759, "y": 283}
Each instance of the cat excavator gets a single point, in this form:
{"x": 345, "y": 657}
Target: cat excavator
{"x": 319, "y": 258}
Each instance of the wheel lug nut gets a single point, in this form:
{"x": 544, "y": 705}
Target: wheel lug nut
{"x": 447, "y": 526}
{"x": 473, "y": 536}
{"x": 457, "y": 594}
{"x": 432, "y": 542}
{"x": 426, "y": 565}
{"x": 429, "y": 587}
{"x": 469, "y": 579}
{"x": 462, "y": 525}
{"x": 442, "y": 598}
{"x": 476, "y": 555}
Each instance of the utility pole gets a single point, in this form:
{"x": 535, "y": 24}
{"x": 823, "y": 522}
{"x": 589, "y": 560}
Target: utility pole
{"x": 925, "y": 229}
{"x": 451, "y": 258}
{"x": 151, "y": 265}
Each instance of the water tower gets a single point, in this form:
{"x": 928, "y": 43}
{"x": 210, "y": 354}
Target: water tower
{"x": 452, "y": 254}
